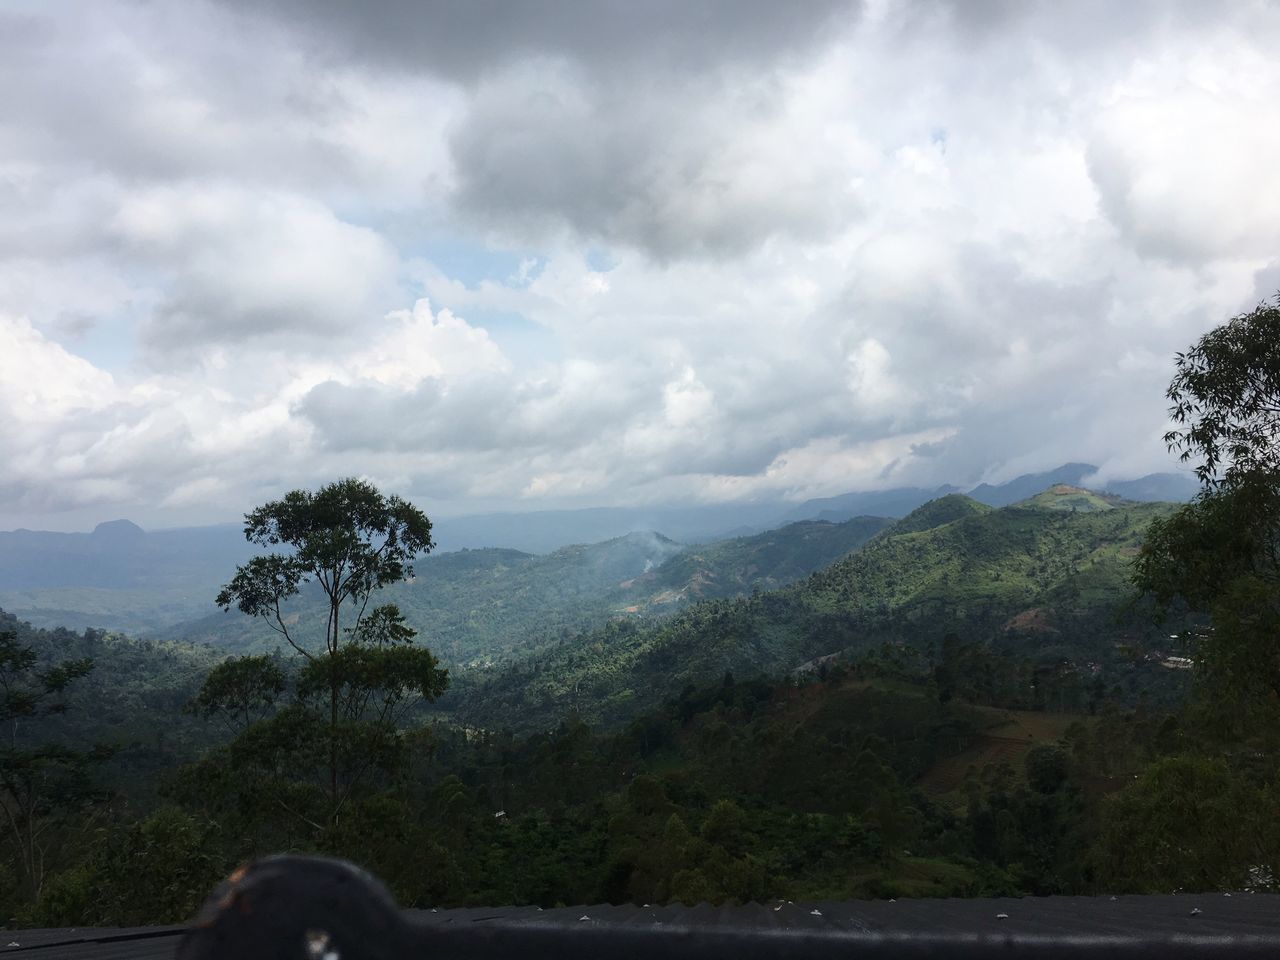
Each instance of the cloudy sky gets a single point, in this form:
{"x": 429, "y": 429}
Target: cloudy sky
{"x": 496, "y": 255}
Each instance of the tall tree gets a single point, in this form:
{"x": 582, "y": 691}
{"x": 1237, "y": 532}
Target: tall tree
{"x": 1220, "y": 554}
{"x": 349, "y": 540}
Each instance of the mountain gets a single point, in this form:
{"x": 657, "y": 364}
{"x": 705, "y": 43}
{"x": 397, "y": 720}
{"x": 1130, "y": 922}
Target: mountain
{"x": 143, "y": 582}
{"x": 764, "y": 561}
{"x": 1168, "y": 487}
{"x": 542, "y": 531}
{"x": 119, "y": 576}
{"x": 935, "y": 513}
{"x": 879, "y": 503}
{"x": 1030, "y": 484}
{"x": 1063, "y": 496}
{"x": 898, "y": 502}
{"x": 1044, "y": 578}
{"x": 475, "y": 607}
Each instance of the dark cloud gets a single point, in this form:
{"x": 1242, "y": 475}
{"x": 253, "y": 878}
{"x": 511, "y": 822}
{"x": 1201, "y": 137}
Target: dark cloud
{"x": 465, "y": 41}
{"x": 618, "y": 122}
{"x": 666, "y": 171}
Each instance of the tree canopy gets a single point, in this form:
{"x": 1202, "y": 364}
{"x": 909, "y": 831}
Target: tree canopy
{"x": 349, "y": 540}
{"x": 1226, "y": 399}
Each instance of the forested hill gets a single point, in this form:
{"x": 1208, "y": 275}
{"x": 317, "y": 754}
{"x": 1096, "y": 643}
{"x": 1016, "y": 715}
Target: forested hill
{"x": 477, "y": 606}
{"x": 472, "y": 605}
{"x": 765, "y": 561}
{"x": 1030, "y": 576}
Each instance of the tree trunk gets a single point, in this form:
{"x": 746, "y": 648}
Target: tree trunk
{"x": 333, "y": 716}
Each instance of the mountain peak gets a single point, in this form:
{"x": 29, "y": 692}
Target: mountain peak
{"x": 118, "y": 531}
{"x": 1030, "y": 484}
{"x": 1065, "y": 496}
{"x": 936, "y": 513}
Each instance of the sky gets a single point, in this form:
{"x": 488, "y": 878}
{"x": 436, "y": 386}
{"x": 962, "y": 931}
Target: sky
{"x": 591, "y": 252}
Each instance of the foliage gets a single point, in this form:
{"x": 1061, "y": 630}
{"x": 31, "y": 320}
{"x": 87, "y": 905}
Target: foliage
{"x": 40, "y": 784}
{"x": 1047, "y": 581}
{"x": 240, "y": 690}
{"x": 1226, "y": 399}
{"x": 1188, "y": 823}
{"x": 1204, "y": 821}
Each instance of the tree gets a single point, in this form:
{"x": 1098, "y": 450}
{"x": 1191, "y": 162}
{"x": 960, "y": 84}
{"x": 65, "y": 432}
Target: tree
{"x": 240, "y": 691}
{"x": 349, "y": 540}
{"x": 1220, "y": 554}
{"x": 41, "y": 782}
{"x": 1226, "y": 399}
{"x": 1187, "y": 823}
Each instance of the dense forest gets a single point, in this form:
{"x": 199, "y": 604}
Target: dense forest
{"x": 1071, "y": 694}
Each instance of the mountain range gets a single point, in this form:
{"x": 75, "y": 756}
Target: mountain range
{"x": 1049, "y": 576}
{"x": 499, "y": 571}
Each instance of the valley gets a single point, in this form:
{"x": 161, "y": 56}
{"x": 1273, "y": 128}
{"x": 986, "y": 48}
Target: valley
{"x": 822, "y": 709}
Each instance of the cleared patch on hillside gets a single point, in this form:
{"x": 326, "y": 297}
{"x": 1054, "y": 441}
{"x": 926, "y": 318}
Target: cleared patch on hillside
{"x": 1013, "y": 733}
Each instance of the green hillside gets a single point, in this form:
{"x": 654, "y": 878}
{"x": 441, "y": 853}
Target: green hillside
{"x": 766, "y": 561}
{"x": 1047, "y": 579}
{"x": 474, "y": 604}
{"x": 954, "y": 506}
{"x": 1063, "y": 496}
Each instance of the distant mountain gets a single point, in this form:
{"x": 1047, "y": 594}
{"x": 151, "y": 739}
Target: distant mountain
{"x": 1167, "y": 487}
{"x": 1030, "y": 484}
{"x": 117, "y": 555}
{"x": 898, "y": 502}
{"x": 141, "y": 582}
{"x": 542, "y": 531}
{"x": 872, "y": 503}
{"x": 119, "y": 576}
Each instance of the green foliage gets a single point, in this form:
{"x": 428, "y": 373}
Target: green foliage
{"x": 240, "y": 690}
{"x": 1051, "y": 581}
{"x": 1046, "y": 768}
{"x": 350, "y": 540}
{"x": 1205, "y": 820}
{"x": 346, "y": 537}
{"x": 157, "y": 871}
{"x": 1188, "y": 823}
{"x": 41, "y": 784}
{"x": 939, "y": 512}
{"x": 1226, "y": 399}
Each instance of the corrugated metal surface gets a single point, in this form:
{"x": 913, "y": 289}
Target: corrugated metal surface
{"x": 1162, "y": 928}
{"x": 81, "y": 943}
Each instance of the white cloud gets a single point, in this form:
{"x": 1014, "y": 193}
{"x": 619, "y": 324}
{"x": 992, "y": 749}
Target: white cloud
{"x": 40, "y": 382}
{"x": 243, "y": 265}
{"x": 417, "y": 345}
{"x": 258, "y": 249}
